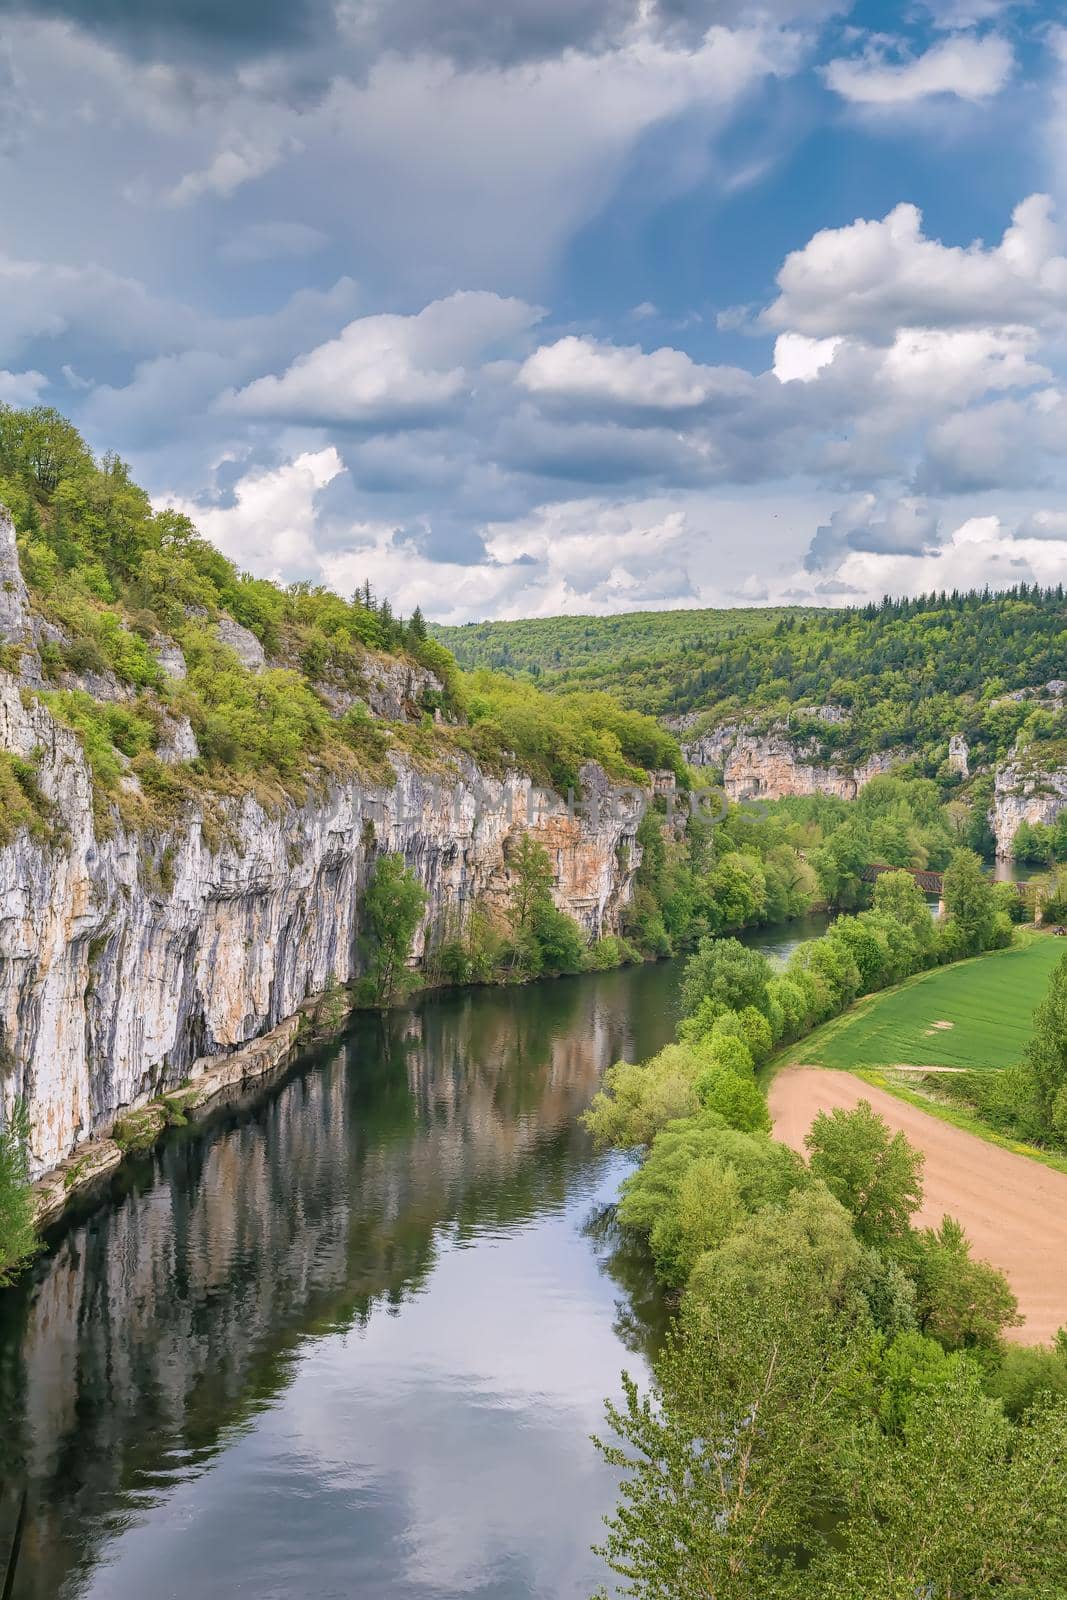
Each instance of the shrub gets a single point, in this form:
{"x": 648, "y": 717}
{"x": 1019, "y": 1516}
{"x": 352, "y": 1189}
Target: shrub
{"x": 18, "y": 1236}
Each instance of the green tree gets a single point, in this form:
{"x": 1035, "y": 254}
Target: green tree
{"x": 531, "y": 874}
{"x": 1046, "y": 1054}
{"x": 18, "y": 1235}
{"x": 394, "y": 903}
{"x": 877, "y": 1176}
{"x": 969, "y": 901}
{"x": 727, "y": 1460}
{"x": 897, "y": 895}
{"x": 726, "y": 971}
{"x": 962, "y": 1303}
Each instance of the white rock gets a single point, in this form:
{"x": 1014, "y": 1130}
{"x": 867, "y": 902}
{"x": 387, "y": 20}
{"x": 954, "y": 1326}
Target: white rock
{"x": 126, "y": 962}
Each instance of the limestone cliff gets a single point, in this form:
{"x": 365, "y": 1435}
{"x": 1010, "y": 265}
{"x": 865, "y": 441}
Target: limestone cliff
{"x": 771, "y": 764}
{"x": 128, "y": 962}
{"x": 1025, "y": 791}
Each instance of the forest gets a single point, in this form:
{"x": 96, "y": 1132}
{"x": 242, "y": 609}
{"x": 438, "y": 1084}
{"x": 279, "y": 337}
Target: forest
{"x": 900, "y": 674}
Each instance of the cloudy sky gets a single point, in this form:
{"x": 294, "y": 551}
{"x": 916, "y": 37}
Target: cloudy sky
{"x": 526, "y": 306}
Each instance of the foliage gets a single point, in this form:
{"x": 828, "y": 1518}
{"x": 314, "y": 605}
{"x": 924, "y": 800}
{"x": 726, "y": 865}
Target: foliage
{"x": 22, "y": 805}
{"x": 681, "y": 1216}
{"x": 393, "y": 905}
{"x": 18, "y": 1235}
{"x": 904, "y": 672}
{"x": 969, "y": 902}
{"x": 876, "y": 1176}
{"x": 726, "y": 971}
{"x": 962, "y": 1303}
{"x": 1046, "y": 1055}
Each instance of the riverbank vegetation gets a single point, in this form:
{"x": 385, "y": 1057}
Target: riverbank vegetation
{"x": 836, "y": 1411}
{"x": 18, "y": 1236}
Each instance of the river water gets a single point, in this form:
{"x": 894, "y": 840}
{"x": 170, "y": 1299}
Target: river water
{"x": 351, "y": 1339}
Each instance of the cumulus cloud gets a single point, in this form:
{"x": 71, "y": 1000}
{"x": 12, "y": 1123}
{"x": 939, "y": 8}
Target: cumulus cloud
{"x": 798, "y": 359}
{"x": 21, "y": 388}
{"x": 388, "y": 367}
{"x": 906, "y": 527}
{"x": 575, "y": 556}
{"x": 1006, "y": 443}
{"x": 871, "y": 278}
{"x": 967, "y": 67}
{"x": 585, "y": 369}
{"x": 1044, "y": 525}
{"x": 270, "y": 528}
{"x": 979, "y": 551}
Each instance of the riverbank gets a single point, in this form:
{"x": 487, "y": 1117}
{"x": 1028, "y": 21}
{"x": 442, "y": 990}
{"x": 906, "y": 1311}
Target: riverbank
{"x": 1013, "y": 1212}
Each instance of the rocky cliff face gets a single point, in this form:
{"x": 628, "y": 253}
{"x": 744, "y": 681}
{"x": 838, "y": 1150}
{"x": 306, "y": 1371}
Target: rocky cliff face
{"x": 1025, "y": 793}
{"x": 125, "y": 960}
{"x": 770, "y": 765}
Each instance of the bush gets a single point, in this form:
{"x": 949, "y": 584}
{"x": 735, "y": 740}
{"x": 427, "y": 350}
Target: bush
{"x": 18, "y": 1235}
{"x": 740, "y": 1171}
{"x": 726, "y": 971}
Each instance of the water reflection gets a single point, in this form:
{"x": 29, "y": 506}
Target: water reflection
{"x": 353, "y": 1340}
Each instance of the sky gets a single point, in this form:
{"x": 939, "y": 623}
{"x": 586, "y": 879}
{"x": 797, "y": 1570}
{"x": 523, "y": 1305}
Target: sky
{"x": 518, "y": 307}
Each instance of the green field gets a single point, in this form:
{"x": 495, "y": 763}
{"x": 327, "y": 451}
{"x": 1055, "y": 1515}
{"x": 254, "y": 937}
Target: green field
{"x": 989, "y": 1002}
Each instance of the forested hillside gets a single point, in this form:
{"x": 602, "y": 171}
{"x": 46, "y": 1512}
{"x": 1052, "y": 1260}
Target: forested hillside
{"x": 902, "y": 673}
{"x": 139, "y": 628}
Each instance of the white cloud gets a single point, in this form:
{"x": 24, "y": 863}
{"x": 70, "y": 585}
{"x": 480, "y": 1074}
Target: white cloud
{"x": 388, "y": 367}
{"x": 874, "y": 277}
{"x": 587, "y": 369}
{"x": 798, "y": 359}
{"x": 980, "y": 551}
{"x": 21, "y": 388}
{"x": 270, "y": 529}
{"x": 1011, "y": 441}
{"x": 238, "y": 163}
{"x": 970, "y": 68}
{"x": 936, "y": 367}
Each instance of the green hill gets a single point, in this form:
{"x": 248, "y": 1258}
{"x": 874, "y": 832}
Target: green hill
{"x": 902, "y": 673}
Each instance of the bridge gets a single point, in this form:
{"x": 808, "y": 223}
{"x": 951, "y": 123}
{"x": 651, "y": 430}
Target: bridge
{"x": 929, "y": 882}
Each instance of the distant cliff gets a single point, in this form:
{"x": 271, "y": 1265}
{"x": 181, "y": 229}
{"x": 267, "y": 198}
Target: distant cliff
{"x": 771, "y": 764}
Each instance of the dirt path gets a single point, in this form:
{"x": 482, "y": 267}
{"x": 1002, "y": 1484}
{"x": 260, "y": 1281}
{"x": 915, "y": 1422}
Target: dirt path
{"x": 1014, "y": 1210}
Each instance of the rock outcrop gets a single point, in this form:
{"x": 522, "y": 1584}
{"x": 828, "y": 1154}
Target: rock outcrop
{"x": 1025, "y": 792}
{"x": 127, "y": 962}
{"x": 770, "y": 764}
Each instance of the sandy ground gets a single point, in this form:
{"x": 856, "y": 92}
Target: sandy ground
{"x": 1013, "y": 1209}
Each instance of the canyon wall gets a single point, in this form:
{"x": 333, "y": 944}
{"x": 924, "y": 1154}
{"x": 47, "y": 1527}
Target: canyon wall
{"x": 1024, "y": 792}
{"x": 127, "y": 959}
{"x": 769, "y": 764}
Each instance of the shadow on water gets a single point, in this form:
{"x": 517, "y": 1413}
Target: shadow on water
{"x": 431, "y": 1152}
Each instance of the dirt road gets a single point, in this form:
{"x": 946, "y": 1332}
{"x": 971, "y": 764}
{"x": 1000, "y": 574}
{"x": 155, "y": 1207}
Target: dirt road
{"x": 1014, "y": 1210}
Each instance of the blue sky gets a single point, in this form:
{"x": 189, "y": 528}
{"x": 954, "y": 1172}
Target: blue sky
{"x": 555, "y": 305}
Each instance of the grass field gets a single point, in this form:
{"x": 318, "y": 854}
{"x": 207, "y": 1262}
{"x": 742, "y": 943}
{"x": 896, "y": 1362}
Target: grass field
{"x": 989, "y": 1003}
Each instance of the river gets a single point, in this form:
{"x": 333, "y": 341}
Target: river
{"x": 351, "y": 1338}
